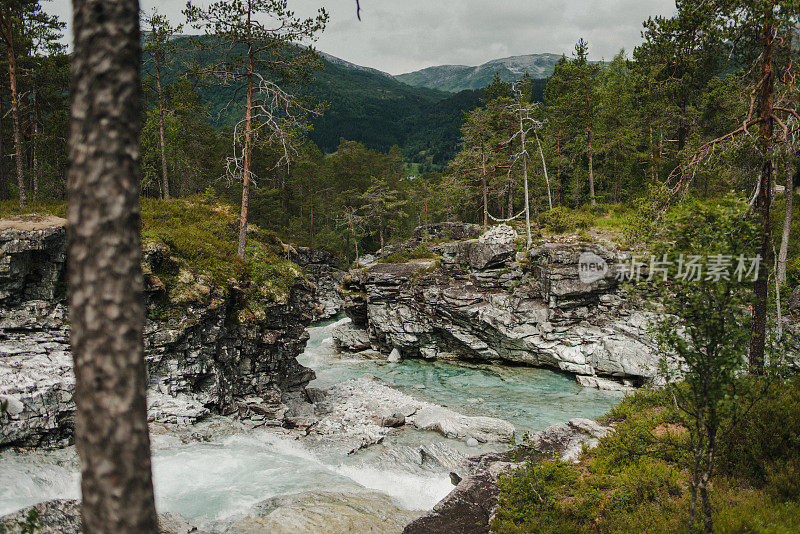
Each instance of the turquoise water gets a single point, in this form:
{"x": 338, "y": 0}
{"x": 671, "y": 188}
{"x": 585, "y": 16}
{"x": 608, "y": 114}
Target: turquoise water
{"x": 531, "y": 399}
{"x": 220, "y": 479}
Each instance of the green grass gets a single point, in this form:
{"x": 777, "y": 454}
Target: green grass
{"x": 420, "y": 252}
{"x": 58, "y": 208}
{"x": 202, "y": 238}
{"x": 196, "y": 241}
{"x": 637, "y": 479}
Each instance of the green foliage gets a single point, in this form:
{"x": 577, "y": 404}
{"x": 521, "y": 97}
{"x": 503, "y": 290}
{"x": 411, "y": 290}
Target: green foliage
{"x": 201, "y": 241}
{"x": 31, "y": 525}
{"x": 761, "y": 442}
{"x": 420, "y": 252}
{"x": 562, "y": 219}
{"x": 636, "y": 479}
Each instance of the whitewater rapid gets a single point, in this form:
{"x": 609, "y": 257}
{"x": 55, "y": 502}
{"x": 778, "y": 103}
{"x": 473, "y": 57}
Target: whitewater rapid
{"x": 222, "y": 476}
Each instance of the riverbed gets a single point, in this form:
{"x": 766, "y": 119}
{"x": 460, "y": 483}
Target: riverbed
{"x": 221, "y": 476}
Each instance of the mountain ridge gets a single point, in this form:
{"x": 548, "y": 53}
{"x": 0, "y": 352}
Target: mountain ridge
{"x": 455, "y": 78}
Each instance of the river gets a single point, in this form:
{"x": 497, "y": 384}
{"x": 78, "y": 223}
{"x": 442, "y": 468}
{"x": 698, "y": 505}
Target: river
{"x": 220, "y": 478}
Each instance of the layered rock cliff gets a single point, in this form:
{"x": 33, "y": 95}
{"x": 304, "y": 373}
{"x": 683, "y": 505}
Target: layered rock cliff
{"x": 208, "y": 357}
{"x": 483, "y": 299}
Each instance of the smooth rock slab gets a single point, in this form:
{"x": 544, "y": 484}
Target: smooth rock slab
{"x": 328, "y": 512}
{"x": 352, "y": 414}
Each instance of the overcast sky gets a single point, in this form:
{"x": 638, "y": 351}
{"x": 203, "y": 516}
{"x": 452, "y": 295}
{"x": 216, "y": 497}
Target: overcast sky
{"x": 399, "y": 36}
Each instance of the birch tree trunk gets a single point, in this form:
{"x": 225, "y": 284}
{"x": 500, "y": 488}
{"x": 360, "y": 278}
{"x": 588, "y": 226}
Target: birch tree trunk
{"x": 546, "y": 177}
{"x": 105, "y": 272}
{"x": 787, "y": 219}
{"x": 484, "y": 188}
{"x": 763, "y": 199}
{"x": 35, "y": 152}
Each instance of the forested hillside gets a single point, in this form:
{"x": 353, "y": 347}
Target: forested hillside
{"x": 363, "y": 105}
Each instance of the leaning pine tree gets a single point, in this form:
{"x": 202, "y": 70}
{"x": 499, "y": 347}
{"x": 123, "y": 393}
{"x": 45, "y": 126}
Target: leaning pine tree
{"x": 260, "y": 42}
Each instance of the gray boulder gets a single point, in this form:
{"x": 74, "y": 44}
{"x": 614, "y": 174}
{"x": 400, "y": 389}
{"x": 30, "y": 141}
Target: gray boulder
{"x": 349, "y": 338}
{"x": 63, "y": 516}
{"x": 794, "y": 300}
{"x": 470, "y": 507}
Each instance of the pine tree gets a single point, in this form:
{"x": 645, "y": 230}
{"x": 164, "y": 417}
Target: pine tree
{"x": 256, "y": 53}
{"x": 158, "y": 47}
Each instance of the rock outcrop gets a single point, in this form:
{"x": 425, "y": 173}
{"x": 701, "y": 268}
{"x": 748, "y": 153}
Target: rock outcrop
{"x": 63, "y": 516}
{"x": 482, "y": 299}
{"x": 472, "y": 504}
{"x": 794, "y": 300}
{"x": 325, "y": 271}
{"x": 359, "y": 413}
{"x": 324, "y": 511}
{"x": 206, "y": 359}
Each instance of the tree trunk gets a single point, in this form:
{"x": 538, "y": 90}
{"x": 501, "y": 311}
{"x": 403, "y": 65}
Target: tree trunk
{"x": 546, "y": 178}
{"x": 561, "y": 192}
{"x": 591, "y": 167}
{"x": 311, "y": 206}
{"x": 12, "y": 76}
{"x": 35, "y": 155}
{"x": 3, "y": 185}
{"x": 589, "y": 147}
{"x": 528, "y": 241}
{"x": 652, "y": 156}
{"x": 511, "y": 192}
{"x": 106, "y": 294}
{"x": 248, "y": 133}
{"x": 189, "y": 170}
{"x": 164, "y": 175}
{"x": 484, "y": 188}
{"x": 763, "y": 199}
{"x": 788, "y": 196}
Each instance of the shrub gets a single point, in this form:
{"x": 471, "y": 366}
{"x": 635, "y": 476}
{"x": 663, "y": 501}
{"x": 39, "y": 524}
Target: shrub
{"x": 561, "y": 219}
{"x": 762, "y": 444}
{"x": 403, "y": 256}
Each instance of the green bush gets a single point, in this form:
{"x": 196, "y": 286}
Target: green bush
{"x": 420, "y": 252}
{"x": 637, "y": 479}
{"x": 561, "y": 219}
{"x": 647, "y": 480}
{"x": 762, "y": 444}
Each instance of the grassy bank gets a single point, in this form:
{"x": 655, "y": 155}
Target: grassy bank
{"x": 637, "y": 479}
{"x": 190, "y": 249}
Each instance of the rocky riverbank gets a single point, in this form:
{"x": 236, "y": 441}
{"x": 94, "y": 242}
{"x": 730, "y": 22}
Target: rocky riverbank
{"x": 471, "y": 506}
{"x": 484, "y": 298}
{"x": 207, "y": 358}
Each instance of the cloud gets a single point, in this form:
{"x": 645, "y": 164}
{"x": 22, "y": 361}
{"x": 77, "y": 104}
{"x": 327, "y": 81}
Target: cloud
{"x": 403, "y": 36}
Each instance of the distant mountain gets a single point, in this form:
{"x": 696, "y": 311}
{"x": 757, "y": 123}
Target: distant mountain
{"x": 365, "y": 105}
{"x": 343, "y": 63}
{"x": 454, "y": 78}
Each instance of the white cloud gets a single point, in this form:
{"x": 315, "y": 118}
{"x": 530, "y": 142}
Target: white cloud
{"x": 400, "y": 36}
